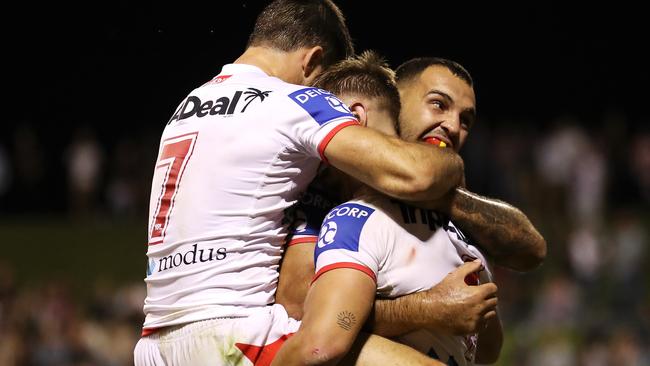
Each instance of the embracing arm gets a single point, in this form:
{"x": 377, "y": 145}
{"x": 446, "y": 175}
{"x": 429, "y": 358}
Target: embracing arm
{"x": 451, "y": 307}
{"x": 336, "y": 307}
{"x": 500, "y": 229}
{"x": 400, "y": 169}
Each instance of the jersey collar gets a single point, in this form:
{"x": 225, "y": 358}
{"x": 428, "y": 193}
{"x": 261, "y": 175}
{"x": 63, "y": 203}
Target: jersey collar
{"x": 231, "y": 69}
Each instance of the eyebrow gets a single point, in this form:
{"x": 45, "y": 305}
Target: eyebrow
{"x": 471, "y": 111}
{"x": 441, "y": 93}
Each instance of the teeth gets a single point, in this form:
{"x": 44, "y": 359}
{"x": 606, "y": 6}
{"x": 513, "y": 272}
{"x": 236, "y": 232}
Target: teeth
{"x": 435, "y": 141}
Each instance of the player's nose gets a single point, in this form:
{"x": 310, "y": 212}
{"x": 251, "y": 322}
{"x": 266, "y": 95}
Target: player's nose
{"x": 451, "y": 125}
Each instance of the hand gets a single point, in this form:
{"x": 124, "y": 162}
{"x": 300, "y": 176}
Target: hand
{"x": 458, "y": 308}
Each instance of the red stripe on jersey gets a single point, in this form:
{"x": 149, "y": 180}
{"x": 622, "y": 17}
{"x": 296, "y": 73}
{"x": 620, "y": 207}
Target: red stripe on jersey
{"x": 303, "y": 240}
{"x": 357, "y": 266}
{"x": 330, "y": 135}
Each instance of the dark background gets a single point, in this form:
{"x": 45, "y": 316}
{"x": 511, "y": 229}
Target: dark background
{"x": 563, "y": 134}
{"x": 122, "y": 68}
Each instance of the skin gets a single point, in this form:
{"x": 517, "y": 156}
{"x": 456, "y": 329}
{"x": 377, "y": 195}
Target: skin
{"x": 324, "y": 338}
{"x": 440, "y": 105}
{"x": 437, "y": 104}
{"x": 398, "y": 171}
{"x": 397, "y": 168}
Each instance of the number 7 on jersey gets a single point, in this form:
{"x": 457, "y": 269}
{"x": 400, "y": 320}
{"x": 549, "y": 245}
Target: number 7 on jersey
{"x": 174, "y": 155}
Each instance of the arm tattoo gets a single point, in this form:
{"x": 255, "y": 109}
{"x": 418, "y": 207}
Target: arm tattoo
{"x": 499, "y": 228}
{"x": 346, "y": 320}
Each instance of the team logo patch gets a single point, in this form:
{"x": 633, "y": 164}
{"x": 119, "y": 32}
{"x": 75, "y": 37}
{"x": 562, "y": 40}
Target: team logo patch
{"x": 342, "y": 228}
{"x": 337, "y": 104}
{"x": 321, "y": 105}
{"x": 327, "y": 234}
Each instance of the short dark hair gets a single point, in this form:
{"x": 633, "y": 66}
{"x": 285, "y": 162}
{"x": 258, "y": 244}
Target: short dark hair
{"x": 367, "y": 74}
{"x": 415, "y": 66}
{"x": 288, "y": 25}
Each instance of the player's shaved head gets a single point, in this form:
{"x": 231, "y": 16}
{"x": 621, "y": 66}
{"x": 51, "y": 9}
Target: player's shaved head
{"x": 412, "y": 68}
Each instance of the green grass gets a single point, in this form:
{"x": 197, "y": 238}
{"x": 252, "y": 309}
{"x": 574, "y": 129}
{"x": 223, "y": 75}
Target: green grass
{"x": 79, "y": 252}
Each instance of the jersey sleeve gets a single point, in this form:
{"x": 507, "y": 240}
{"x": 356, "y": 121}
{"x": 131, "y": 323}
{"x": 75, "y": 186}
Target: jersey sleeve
{"x": 348, "y": 239}
{"x": 325, "y": 115}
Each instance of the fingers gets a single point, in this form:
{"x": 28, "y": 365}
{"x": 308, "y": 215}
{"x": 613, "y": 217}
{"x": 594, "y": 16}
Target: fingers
{"x": 490, "y": 305}
{"x": 488, "y": 290}
{"x": 490, "y": 315}
{"x": 467, "y": 268}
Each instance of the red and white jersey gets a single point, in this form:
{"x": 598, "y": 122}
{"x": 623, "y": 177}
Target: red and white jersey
{"x": 236, "y": 153}
{"x": 405, "y": 250}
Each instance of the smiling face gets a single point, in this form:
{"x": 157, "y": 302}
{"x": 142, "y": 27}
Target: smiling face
{"x": 437, "y": 104}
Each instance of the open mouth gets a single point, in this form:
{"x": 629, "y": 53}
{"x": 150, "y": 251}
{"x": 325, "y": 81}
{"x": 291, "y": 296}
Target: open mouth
{"x": 434, "y": 141}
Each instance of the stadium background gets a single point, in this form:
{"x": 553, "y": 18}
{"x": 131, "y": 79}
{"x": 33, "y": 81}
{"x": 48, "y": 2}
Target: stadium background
{"x": 563, "y": 134}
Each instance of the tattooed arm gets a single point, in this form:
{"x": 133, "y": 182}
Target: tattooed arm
{"x": 336, "y": 307}
{"x": 500, "y": 229}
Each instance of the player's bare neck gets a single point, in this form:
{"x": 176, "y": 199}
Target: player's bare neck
{"x": 273, "y": 62}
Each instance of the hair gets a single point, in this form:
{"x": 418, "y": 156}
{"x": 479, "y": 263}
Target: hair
{"x": 368, "y": 75}
{"x": 288, "y": 25}
{"x": 412, "y": 68}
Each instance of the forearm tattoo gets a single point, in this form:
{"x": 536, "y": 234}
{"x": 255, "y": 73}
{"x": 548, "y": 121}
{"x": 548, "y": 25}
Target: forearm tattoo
{"x": 489, "y": 221}
{"x": 346, "y": 320}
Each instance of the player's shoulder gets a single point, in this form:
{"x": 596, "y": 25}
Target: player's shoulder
{"x": 344, "y": 225}
{"x": 357, "y": 214}
{"x": 322, "y": 105}
{"x": 356, "y": 208}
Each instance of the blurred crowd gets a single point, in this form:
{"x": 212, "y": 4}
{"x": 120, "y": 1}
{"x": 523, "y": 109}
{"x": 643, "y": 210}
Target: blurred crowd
{"x": 49, "y": 325}
{"x": 586, "y": 186}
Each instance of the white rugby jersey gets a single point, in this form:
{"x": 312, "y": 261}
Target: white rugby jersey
{"x": 405, "y": 250}
{"x": 236, "y": 153}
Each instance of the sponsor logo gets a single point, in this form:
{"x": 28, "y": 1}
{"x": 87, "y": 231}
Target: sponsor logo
{"x": 189, "y": 257}
{"x": 327, "y": 234}
{"x": 337, "y": 104}
{"x": 222, "y": 106}
{"x": 355, "y": 211}
{"x": 434, "y": 220}
{"x": 342, "y": 228}
{"x": 321, "y": 105}
{"x": 316, "y": 199}
{"x": 305, "y": 95}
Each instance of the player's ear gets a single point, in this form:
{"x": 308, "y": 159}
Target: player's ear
{"x": 312, "y": 64}
{"x": 359, "y": 111}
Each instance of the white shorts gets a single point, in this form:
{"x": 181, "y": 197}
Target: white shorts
{"x": 252, "y": 340}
